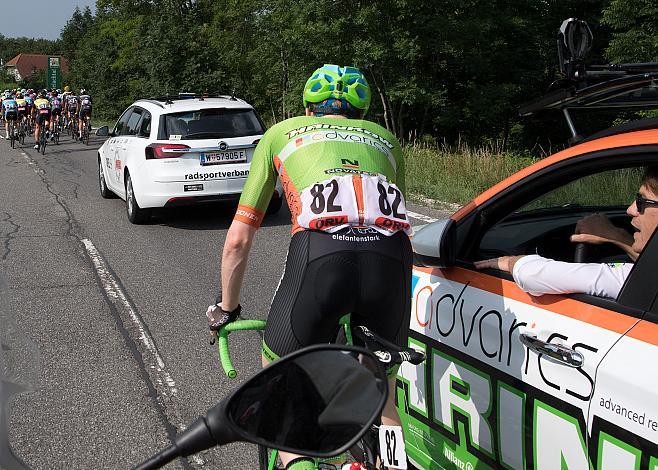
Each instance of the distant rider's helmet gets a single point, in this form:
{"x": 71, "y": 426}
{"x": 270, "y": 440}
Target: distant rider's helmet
{"x": 42, "y": 93}
{"x": 333, "y": 82}
{"x": 82, "y": 91}
{"x": 19, "y": 95}
{"x": 67, "y": 89}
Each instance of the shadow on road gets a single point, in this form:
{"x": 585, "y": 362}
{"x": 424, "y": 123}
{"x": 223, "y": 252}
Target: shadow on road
{"x": 211, "y": 216}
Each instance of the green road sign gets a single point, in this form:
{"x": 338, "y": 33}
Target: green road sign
{"x": 54, "y": 73}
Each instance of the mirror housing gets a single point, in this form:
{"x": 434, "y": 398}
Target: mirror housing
{"x": 103, "y": 131}
{"x": 318, "y": 404}
{"x": 434, "y": 244}
{"x": 318, "y": 401}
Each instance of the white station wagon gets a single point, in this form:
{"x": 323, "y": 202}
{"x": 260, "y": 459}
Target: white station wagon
{"x": 190, "y": 149}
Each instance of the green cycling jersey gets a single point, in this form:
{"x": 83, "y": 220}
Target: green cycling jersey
{"x": 335, "y": 173}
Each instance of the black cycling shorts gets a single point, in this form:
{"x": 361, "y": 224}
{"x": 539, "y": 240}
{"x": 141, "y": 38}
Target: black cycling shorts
{"x": 85, "y": 111}
{"x": 329, "y": 275}
{"x": 43, "y": 117}
{"x": 11, "y": 116}
{"x": 57, "y": 112}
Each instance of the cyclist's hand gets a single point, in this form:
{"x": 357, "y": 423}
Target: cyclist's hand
{"x": 217, "y": 318}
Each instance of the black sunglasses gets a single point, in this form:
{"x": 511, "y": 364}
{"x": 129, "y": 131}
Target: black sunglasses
{"x": 642, "y": 203}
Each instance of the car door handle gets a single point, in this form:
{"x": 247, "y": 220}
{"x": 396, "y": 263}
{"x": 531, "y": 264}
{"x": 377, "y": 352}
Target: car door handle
{"x": 560, "y": 353}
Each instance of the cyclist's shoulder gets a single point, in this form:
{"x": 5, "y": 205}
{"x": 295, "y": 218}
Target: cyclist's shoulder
{"x": 378, "y": 130}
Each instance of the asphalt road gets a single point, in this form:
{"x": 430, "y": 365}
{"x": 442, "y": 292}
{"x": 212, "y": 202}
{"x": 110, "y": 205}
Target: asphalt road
{"x": 117, "y": 313}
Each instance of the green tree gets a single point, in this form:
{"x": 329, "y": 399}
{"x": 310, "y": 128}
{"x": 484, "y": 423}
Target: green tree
{"x": 74, "y": 30}
{"x": 634, "y": 25}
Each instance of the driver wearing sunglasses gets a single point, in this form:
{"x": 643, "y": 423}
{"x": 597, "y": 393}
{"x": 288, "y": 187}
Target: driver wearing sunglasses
{"x": 538, "y": 275}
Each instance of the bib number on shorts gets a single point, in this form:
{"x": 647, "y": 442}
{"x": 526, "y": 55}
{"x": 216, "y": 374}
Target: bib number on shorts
{"x": 332, "y": 204}
{"x": 384, "y": 205}
{"x": 329, "y": 205}
{"x": 391, "y": 447}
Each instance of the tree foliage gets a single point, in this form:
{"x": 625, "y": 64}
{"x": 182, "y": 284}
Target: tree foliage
{"x": 11, "y": 47}
{"x": 445, "y": 69}
{"x": 634, "y": 25}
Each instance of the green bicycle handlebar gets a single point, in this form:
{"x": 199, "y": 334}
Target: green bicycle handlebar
{"x": 222, "y": 342}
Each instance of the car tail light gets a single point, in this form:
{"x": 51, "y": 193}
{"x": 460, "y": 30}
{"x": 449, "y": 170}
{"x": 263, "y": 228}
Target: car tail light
{"x": 164, "y": 150}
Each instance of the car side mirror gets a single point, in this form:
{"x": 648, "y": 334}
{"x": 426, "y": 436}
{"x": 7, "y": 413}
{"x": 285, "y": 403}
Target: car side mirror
{"x": 103, "y": 131}
{"x": 318, "y": 401}
{"x": 434, "y": 244}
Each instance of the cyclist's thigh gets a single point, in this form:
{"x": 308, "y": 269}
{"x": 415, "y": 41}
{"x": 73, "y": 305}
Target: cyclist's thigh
{"x": 384, "y": 303}
{"x": 314, "y": 293}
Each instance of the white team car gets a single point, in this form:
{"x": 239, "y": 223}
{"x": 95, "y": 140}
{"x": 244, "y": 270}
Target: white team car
{"x": 166, "y": 152}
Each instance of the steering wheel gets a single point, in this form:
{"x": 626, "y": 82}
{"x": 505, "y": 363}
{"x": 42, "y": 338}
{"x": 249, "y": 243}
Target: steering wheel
{"x": 580, "y": 254}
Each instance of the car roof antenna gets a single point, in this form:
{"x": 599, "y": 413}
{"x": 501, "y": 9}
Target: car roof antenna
{"x": 233, "y": 98}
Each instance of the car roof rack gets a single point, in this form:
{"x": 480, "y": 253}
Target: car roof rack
{"x": 169, "y": 99}
{"x": 614, "y": 86}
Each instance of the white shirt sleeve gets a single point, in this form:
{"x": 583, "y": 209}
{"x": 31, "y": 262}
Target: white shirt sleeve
{"x": 537, "y": 276}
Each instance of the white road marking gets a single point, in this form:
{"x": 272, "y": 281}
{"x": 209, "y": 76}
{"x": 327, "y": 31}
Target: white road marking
{"x": 424, "y": 218}
{"x": 114, "y": 291}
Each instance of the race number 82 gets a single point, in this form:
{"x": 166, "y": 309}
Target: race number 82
{"x": 391, "y": 447}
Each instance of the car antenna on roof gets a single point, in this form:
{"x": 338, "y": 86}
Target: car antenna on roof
{"x": 233, "y": 98}
{"x": 168, "y": 97}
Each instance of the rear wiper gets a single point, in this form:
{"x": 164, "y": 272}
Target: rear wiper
{"x": 201, "y": 135}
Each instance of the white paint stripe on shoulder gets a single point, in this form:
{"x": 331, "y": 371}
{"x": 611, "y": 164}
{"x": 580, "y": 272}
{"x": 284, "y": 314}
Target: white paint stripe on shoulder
{"x": 115, "y": 292}
{"x": 424, "y": 218}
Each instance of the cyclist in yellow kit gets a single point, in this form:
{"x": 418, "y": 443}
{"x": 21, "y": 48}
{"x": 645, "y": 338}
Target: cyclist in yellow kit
{"x": 42, "y": 109}
{"x": 343, "y": 179}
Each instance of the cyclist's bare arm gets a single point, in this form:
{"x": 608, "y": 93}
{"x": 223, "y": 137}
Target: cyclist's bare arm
{"x": 234, "y": 262}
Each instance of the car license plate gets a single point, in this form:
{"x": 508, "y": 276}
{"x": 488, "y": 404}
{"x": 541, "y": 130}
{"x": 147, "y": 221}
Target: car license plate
{"x": 230, "y": 156}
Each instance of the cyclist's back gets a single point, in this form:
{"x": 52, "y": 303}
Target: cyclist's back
{"x": 343, "y": 179}
{"x": 344, "y": 183}
{"x": 334, "y": 173}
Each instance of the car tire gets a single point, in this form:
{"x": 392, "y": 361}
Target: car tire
{"x": 275, "y": 204}
{"x": 106, "y": 193}
{"x": 136, "y": 214}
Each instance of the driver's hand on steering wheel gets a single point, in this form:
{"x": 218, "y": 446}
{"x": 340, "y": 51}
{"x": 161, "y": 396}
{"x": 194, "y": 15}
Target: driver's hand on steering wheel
{"x": 597, "y": 229}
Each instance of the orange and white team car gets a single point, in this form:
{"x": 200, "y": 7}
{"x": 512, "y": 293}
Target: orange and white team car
{"x": 515, "y": 381}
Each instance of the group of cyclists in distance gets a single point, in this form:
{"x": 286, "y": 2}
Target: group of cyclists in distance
{"x": 50, "y": 110}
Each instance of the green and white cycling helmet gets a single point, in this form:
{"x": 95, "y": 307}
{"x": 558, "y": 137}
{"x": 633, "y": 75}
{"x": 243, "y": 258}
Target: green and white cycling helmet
{"x": 341, "y": 83}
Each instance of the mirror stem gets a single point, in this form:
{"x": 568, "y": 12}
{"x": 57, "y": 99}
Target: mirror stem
{"x": 160, "y": 459}
{"x": 195, "y": 438}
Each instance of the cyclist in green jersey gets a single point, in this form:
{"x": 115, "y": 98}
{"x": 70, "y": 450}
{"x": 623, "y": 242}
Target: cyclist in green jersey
{"x": 343, "y": 179}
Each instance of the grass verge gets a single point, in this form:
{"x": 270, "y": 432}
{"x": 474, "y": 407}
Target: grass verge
{"x": 456, "y": 174}
{"x": 101, "y": 122}
{"x": 447, "y": 177}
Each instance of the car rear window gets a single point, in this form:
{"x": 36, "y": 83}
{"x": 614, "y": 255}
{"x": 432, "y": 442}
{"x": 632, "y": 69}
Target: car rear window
{"x": 210, "y": 124}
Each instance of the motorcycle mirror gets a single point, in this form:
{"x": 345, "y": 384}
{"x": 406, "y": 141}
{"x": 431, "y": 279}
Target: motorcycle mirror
{"x": 317, "y": 402}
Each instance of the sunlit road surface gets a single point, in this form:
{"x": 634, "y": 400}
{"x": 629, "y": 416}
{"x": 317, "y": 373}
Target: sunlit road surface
{"x": 117, "y": 311}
